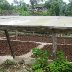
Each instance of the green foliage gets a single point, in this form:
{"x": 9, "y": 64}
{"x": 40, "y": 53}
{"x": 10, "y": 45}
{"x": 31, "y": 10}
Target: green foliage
{"x": 55, "y": 7}
{"x": 41, "y": 60}
{"x": 39, "y": 70}
{"x": 60, "y": 64}
{"x": 57, "y": 66}
{"x": 60, "y": 56}
{"x": 69, "y": 9}
{"x": 4, "y": 5}
{"x": 5, "y": 8}
{"x": 0, "y": 9}
{"x": 36, "y": 52}
{"x": 22, "y": 9}
{"x": 23, "y": 13}
{"x": 40, "y": 13}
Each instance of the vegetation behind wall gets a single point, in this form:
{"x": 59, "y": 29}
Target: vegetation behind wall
{"x": 47, "y": 8}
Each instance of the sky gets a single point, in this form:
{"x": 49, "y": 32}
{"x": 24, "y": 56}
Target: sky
{"x": 27, "y": 1}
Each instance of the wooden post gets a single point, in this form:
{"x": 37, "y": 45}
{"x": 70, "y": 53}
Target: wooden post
{"x": 54, "y": 38}
{"x": 8, "y": 40}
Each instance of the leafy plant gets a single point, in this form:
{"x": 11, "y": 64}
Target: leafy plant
{"x": 36, "y": 52}
{"x": 60, "y": 64}
{"x": 41, "y": 62}
{"x": 60, "y": 67}
{"x": 60, "y": 56}
{"x": 39, "y": 70}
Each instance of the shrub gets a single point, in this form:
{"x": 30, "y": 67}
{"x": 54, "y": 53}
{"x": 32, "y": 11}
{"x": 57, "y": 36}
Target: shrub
{"x": 60, "y": 67}
{"x": 60, "y": 56}
{"x": 60, "y": 64}
{"x": 41, "y": 62}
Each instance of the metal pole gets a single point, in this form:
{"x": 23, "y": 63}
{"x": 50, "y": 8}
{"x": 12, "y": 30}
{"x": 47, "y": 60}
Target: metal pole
{"x": 8, "y": 40}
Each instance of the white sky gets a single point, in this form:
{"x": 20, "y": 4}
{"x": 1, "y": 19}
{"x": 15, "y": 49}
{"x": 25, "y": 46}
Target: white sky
{"x": 27, "y": 1}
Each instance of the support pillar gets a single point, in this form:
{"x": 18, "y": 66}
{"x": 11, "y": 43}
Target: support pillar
{"x": 8, "y": 40}
{"x": 54, "y": 38}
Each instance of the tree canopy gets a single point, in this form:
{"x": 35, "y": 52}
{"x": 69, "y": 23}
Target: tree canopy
{"x": 50, "y": 7}
{"x": 4, "y": 5}
{"x": 55, "y": 7}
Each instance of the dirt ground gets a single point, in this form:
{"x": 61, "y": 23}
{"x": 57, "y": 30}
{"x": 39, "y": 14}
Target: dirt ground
{"x": 21, "y": 47}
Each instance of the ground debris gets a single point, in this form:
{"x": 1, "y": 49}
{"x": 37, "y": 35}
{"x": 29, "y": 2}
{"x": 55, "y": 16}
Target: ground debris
{"x": 17, "y": 67}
